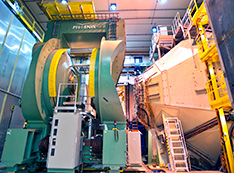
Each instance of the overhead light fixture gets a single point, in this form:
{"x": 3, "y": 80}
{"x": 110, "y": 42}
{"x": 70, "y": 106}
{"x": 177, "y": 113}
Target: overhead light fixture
{"x": 163, "y": 1}
{"x": 113, "y": 7}
{"x": 154, "y": 29}
{"x": 64, "y": 2}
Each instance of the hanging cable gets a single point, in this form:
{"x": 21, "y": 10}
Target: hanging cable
{"x": 156, "y": 3}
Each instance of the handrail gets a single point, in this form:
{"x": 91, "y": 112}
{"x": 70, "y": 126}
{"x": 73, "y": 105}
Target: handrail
{"x": 60, "y": 95}
{"x": 156, "y": 36}
{"x": 168, "y": 31}
{"x": 192, "y": 8}
{"x": 87, "y": 16}
{"x": 216, "y": 89}
{"x": 176, "y": 22}
{"x": 26, "y": 17}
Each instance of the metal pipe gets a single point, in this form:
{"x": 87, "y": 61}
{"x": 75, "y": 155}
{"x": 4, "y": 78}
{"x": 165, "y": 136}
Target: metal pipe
{"x": 80, "y": 65}
{"x": 201, "y": 128}
{"x": 205, "y": 157}
{"x": 10, "y": 93}
{"x": 90, "y": 128}
{"x": 139, "y": 34}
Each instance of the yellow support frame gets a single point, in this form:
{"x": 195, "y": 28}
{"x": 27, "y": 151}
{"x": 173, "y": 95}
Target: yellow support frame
{"x": 216, "y": 86}
{"x": 217, "y": 91}
{"x": 69, "y": 11}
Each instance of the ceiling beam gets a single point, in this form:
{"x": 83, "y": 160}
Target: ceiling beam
{"x": 143, "y": 52}
{"x": 152, "y": 9}
{"x": 32, "y": 0}
{"x": 145, "y": 18}
{"x": 131, "y": 23}
{"x": 139, "y": 18}
{"x": 134, "y": 47}
{"x": 138, "y": 34}
{"x": 138, "y": 40}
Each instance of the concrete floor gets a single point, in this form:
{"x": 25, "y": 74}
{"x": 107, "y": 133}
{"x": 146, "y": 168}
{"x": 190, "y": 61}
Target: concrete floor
{"x": 143, "y": 168}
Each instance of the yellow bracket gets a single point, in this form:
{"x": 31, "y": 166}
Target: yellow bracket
{"x": 53, "y": 71}
{"x": 92, "y": 73}
{"x": 209, "y": 53}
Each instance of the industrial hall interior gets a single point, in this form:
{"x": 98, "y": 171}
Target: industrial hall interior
{"x": 110, "y": 86}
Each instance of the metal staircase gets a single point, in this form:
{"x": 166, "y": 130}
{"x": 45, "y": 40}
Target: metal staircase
{"x": 177, "y": 150}
{"x": 113, "y": 29}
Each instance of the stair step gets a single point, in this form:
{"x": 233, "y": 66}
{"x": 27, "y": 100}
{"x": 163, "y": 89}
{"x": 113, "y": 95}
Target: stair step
{"x": 180, "y": 161}
{"x": 170, "y": 124}
{"x": 176, "y": 141}
{"x": 171, "y": 121}
{"x": 85, "y": 140}
{"x": 86, "y": 143}
{"x": 175, "y": 125}
{"x": 174, "y": 135}
{"x": 177, "y": 148}
{"x": 180, "y": 168}
{"x": 65, "y": 108}
{"x": 172, "y": 130}
{"x": 178, "y": 154}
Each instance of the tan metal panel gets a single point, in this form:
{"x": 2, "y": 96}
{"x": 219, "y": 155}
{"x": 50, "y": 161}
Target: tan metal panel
{"x": 165, "y": 86}
{"x": 156, "y": 90}
{"x": 183, "y": 91}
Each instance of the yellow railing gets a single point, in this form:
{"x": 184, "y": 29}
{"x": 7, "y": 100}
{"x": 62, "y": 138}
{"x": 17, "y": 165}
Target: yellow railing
{"x": 200, "y": 46}
{"x": 197, "y": 12}
{"x": 27, "y": 18}
{"x": 69, "y": 11}
{"x": 207, "y": 49}
{"x": 216, "y": 87}
{"x": 192, "y": 8}
{"x": 217, "y": 92}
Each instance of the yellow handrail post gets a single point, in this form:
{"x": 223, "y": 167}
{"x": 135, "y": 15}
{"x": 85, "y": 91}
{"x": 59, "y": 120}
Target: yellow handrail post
{"x": 226, "y": 141}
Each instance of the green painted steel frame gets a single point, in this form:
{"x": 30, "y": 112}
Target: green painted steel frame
{"x": 26, "y": 151}
{"x": 57, "y": 29}
{"x": 110, "y": 108}
{"x": 114, "y": 152}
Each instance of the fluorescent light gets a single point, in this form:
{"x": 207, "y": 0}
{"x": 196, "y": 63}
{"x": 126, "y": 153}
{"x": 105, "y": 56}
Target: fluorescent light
{"x": 64, "y": 2}
{"x": 163, "y": 1}
{"x": 113, "y": 7}
{"x": 154, "y": 29}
